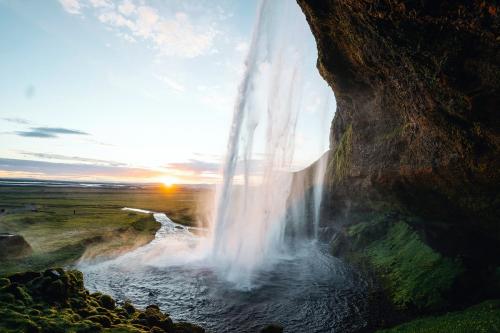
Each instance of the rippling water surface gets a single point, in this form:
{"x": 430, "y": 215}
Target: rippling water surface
{"x": 306, "y": 291}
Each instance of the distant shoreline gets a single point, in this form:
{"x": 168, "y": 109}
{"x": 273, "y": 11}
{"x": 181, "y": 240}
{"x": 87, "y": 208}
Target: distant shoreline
{"x": 88, "y": 184}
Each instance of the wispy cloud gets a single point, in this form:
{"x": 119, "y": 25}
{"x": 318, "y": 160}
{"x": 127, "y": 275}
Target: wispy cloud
{"x": 101, "y": 3}
{"x": 126, "y": 8}
{"x": 58, "y": 130}
{"x": 58, "y": 157}
{"x": 199, "y": 167}
{"x": 100, "y": 143}
{"x": 16, "y": 120}
{"x": 75, "y": 170}
{"x": 171, "y": 83}
{"x": 35, "y": 134}
{"x": 195, "y": 166}
{"x": 48, "y": 132}
{"x": 71, "y": 6}
{"x": 175, "y": 35}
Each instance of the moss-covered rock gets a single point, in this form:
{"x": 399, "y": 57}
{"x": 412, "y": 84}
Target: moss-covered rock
{"x": 107, "y": 302}
{"x": 416, "y": 275}
{"x": 409, "y": 277}
{"x": 183, "y": 327}
{"x": 56, "y": 301}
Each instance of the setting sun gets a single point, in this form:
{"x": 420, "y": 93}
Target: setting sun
{"x": 168, "y": 181}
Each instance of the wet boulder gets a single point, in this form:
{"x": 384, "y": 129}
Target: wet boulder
{"x": 154, "y": 317}
{"x": 100, "y": 319}
{"x": 24, "y": 277}
{"x": 107, "y": 302}
{"x": 183, "y": 327}
{"x": 129, "y": 308}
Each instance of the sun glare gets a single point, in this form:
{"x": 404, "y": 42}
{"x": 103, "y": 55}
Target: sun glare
{"x": 168, "y": 181}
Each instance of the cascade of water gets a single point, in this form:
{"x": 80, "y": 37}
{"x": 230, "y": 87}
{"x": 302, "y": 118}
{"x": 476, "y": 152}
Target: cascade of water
{"x": 247, "y": 231}
{"x": 322, "y": 163}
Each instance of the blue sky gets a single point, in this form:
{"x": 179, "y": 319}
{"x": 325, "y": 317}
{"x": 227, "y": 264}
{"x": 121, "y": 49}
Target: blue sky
{"x": 132, "y": 90}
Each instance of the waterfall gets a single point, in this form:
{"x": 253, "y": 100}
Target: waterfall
{"x": 248, "y": 229}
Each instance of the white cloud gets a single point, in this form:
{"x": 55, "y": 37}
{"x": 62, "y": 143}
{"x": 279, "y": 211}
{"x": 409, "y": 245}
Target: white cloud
{"x": 71, "y": 6}
{"x": 126, "y": 8}
{"x": 147, "y": 19}
{"x": 101, "y": 3}
{"x": 179, "y": 37}
{"x": 171, "y": 83}
{"x": 127, "y": 37}
{"x": 116, "y": 20}
{"x": 175, "y": 35}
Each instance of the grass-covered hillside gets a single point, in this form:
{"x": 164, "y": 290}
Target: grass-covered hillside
{"x": 63, "y": 224}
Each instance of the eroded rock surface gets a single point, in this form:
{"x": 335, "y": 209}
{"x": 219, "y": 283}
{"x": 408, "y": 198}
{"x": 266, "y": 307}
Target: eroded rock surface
{"x": 414, "y": 167}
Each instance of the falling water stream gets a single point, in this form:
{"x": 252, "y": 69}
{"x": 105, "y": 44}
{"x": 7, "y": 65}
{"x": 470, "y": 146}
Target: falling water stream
{"x": 248, "y": 229}
{"x": 259, "y": 261}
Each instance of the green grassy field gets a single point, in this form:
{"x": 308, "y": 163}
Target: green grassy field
{"x": 481, "y": 318}
{"x": 62, "y": 224}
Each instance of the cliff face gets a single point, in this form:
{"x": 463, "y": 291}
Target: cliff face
{"x": 414, "y": 145}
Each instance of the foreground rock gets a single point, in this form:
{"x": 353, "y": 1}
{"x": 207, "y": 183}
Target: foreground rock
{"x": 13, "y": 246}
{"x": 56, "y": 301}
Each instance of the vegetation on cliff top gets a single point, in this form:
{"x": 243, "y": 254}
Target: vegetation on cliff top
{"x": 56, "y": 301}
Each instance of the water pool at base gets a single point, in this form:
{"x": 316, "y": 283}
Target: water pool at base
{"x": 305, "y": 291}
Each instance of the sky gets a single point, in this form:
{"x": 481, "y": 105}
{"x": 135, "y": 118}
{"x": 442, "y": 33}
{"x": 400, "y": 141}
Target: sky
{"x": 132, "y": 90}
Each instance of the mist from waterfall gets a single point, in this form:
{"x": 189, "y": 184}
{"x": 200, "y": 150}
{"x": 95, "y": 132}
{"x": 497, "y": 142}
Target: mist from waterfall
{"x": 252, "y": 208}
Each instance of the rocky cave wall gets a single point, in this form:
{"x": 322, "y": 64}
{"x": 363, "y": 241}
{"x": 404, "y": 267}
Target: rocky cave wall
{"x": 414, "y": 145}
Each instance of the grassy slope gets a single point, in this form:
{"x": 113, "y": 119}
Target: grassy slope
{"x": 58, "y": 236}
{"x": 414, "y": 275}
{"x": 417, "y": 277}
{"x": 481, "y": 318}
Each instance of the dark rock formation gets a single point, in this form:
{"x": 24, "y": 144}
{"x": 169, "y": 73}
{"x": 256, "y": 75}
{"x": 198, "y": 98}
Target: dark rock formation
{"x": 414, "y": 166}
{"x": 13, "y": 246}
{"x": 56, "y": 301}
{"x": 273, "y": 328}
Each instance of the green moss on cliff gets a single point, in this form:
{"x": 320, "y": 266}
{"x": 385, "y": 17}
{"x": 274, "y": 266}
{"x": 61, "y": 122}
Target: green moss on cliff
{"x": 340, "y": 163}
{"x": 414, "y": 275}
{"x": 482, "y": 318}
